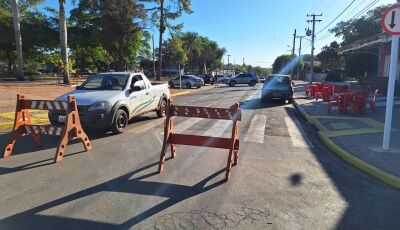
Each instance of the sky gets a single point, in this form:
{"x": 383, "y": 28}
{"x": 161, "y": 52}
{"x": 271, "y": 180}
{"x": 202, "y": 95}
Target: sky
{"x": 260, "y": 30}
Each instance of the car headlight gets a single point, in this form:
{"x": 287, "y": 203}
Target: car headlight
{"x": 99, "y": 106}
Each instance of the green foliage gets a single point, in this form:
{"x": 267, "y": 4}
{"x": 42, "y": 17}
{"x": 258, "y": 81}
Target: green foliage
{"x": 334, "y": 76}
{"x": 359, "y": 28}
{"x": 280, "y": 64}
{"x": 113, "y": 25}
{"x": 357, "y": 64}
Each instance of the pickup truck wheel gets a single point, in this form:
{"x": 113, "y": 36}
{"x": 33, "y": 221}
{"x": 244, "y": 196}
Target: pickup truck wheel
{"x": 232, "y": 83}
{"x": 252, "y": 83}
{"x": 161, "y": 111}
{"x": 188, "y": 85}
{"x": 120, "y": 122}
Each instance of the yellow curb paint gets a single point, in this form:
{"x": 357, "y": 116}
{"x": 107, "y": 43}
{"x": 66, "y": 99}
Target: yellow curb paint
{"x": 180, "y": 94}
{"x": 362, "y": 165}
{"x": 351, "y": 132}
{"x": 9, "y": 125}
{"x": 340, "y": 125}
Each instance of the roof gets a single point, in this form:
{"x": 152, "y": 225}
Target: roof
{"x": 121, "y": 73}
{"x": 366, "y": 42}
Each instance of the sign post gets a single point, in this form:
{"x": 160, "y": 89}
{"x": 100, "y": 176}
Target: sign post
{"x": 391, "y": 25}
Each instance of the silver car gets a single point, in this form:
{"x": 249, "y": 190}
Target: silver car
{"x": 243, "y": 78}
{"x": 188, "y": 81}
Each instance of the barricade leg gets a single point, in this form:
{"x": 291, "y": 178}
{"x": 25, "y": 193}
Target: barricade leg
{"x": 61, "y": 148}
{"x": 229, "y": 165}
{"x": 167, "y": 132}
{"x": 173, "y": 150}
{"x": 11, "y": 141}
{"x": 236, "y": 153}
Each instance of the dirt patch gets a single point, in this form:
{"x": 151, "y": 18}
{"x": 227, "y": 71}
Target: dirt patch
{"x": 36, "y": 90}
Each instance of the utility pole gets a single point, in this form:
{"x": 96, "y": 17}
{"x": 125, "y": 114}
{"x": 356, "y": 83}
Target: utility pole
{"x": 154, "y": 58}
{"x": 243, "y": 61}
{"x": 228, "y": 62}
{"x": 298, "y": 66}
{"x": 312, "y": 43}
{"x": 294, "y": 42}
{"x": 293, "y": 49}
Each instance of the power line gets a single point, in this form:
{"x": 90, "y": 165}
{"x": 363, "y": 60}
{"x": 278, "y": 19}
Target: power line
{"x": 369, "y": 6}
{"x": 330, "y": 23}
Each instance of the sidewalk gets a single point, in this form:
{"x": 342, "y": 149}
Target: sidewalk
{"x": 357, "y": 138}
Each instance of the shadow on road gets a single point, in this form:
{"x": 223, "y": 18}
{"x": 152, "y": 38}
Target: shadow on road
{"x": 371, "y": 204}
{"x": 31, "y": 219}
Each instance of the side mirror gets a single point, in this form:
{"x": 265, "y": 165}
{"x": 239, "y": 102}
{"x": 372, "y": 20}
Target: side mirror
{"x": 135, "y": 89}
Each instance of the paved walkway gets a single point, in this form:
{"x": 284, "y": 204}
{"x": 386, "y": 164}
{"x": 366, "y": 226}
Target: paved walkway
{"x": 356, "y": 138}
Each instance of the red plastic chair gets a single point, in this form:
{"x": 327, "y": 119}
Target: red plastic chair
{"x": 306, "y": 90}
{"x": 337, "y": 102}
{"x": 372, "y": 102}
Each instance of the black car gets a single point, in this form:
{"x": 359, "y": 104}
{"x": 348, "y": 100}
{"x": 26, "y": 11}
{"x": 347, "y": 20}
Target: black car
{"x": 277, "y": 87}
{"x": 207, "y": 78}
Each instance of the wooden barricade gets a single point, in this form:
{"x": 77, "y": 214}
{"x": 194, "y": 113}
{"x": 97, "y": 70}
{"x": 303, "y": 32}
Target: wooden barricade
{"x": 70, "y": 131}
{"x": 172, "y": 139}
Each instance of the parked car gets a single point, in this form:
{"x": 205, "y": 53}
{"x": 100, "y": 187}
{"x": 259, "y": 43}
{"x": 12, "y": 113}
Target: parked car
{"x": 188, "y": 81}
{"x": 243, "y": 78}
{"x": 222, "y": 79}
{"x": 110, "y": 100}
{"x": 278, "y": 87}
{"x": 207, "y": 78}
{"x": 269, "y": 77}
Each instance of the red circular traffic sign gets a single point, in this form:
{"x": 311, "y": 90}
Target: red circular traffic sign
{"x": 391, "y": 20}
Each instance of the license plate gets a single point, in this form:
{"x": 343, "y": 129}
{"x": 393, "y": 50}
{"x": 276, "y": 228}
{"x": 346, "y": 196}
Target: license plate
{"x": 276, "y": 94}
{"x": 62, "y": 118}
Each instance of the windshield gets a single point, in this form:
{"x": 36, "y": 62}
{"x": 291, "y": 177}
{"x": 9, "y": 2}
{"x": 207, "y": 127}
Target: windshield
{"x": 106, "y": 82}
{"x": 279, "y": 80}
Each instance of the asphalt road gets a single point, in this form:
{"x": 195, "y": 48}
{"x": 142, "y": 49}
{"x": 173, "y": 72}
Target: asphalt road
{"x": 285, "y": 179}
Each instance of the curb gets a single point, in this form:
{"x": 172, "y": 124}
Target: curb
{"x": 180, "y": 93}
{"x": 10, "y": 125}
{"x": 346, "y": 156}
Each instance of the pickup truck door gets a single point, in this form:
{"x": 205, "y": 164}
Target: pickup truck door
{"x": 141, "y": 101}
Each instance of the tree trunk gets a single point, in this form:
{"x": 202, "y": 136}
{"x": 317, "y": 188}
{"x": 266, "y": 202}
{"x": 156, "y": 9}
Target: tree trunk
{"x": 119, "y": 66}
{"x": 63, "y": 42}
{"x": 162, "y": 29}
{"x": 9, "y": 60}
{"x": 18, "y": 40}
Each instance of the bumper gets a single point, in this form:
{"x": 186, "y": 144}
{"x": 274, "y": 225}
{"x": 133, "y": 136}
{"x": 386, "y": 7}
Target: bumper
{"x": 277, "y": 94}
{"x": 90, "y": 120}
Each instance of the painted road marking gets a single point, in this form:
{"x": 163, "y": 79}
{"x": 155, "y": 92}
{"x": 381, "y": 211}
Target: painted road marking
{"x": 218, "y": 128}
{"x": 255, "y": 133}
{"x": 296, "y": 133}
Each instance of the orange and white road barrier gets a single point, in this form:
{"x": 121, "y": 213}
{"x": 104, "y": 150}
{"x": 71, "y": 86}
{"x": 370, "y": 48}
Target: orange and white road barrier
{"x": 172, "y": 139}
{"x": 71, "y": 130}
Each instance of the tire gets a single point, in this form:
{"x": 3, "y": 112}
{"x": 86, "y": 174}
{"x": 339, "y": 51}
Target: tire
{"x": 188, "y": 85}
{"x": 199, "y": 86}
{"x": 290, "y": 100}
{"x": 161, "y": 111}
{"x": 120, "y": 122}
{"x": 232, "y": 83}
{"x": 252, "y": 83}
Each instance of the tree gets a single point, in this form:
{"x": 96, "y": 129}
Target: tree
{"x": 329, "y": 56}
{"x": 284, "y": 64}
{"x": 359, "y": 28}
{"x": 356, "y": 29}
{"x": 18, "y": 39}
{"x": 114, "y": 25}
{"x": 64, "y": 42}
{"x": 162, "y": 16}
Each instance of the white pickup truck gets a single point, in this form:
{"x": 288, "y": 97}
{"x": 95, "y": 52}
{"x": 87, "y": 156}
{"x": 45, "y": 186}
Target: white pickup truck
{"x": 109, "y": 100}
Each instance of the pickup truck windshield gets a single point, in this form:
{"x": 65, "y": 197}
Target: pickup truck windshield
{"x": 106, "y": 82}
